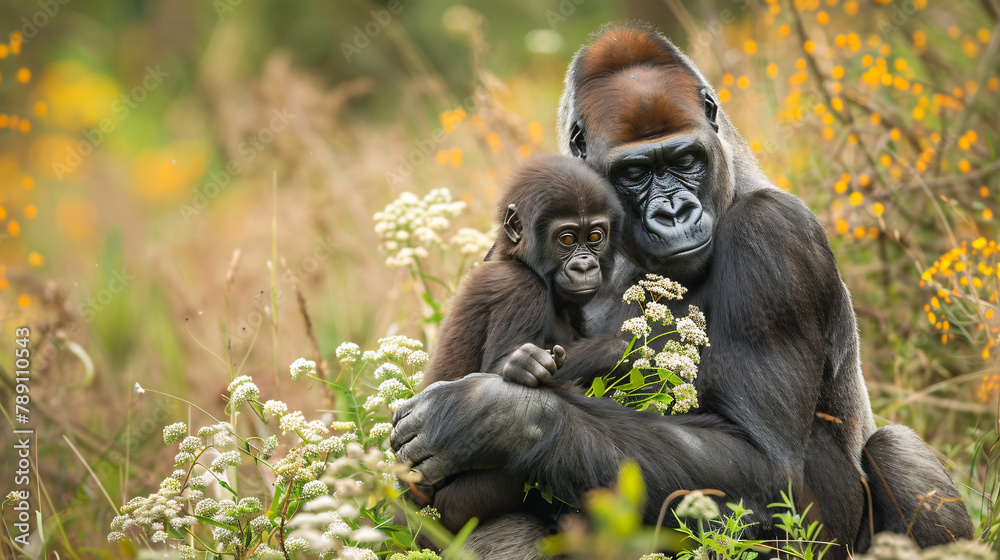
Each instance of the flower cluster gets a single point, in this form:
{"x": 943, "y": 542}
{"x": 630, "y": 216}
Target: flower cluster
{"x": 302, "y": 367}
{"x": 410, "y": 225}
{"x": 660, "y": 380}
{"x": 472, "y": 242}
{"x": 325, "y": 474}
{"x": 697, "y": 505}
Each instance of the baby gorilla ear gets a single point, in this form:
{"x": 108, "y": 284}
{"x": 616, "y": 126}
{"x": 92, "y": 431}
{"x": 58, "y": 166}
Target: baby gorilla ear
{"x": 512, "y": 225}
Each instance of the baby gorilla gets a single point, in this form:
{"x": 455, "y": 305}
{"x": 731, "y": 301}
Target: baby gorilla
{"x": 559, "y": 218}
{"x": 548, "y": 261}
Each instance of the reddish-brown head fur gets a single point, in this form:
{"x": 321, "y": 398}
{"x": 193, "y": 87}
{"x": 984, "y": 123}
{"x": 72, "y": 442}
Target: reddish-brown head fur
{"x": 631, "y": 84}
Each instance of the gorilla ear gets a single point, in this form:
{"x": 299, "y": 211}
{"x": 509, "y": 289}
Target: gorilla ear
{"x": 711, "y": 108}
{"x": 577, "y": 141}
{"x": 512, "y": 224}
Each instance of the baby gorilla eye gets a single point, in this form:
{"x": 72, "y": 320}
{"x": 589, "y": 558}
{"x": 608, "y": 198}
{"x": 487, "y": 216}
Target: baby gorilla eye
{"x": 595, "y": 236}
{"x": 567, "y": 238}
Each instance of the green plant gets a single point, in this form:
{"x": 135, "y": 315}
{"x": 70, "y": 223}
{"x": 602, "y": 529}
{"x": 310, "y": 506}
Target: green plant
{"x": 658, "y": 380}
{"x": 331, "y": 492}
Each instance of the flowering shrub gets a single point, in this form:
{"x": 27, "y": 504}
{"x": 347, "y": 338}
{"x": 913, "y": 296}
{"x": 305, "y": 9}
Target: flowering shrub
{"x": 329, "y": 491}
{"x": 661, "y": 380}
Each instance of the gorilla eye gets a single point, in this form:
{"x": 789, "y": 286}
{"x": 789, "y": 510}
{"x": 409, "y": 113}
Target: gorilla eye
{"x": 686, "y": 161}
{"x": 567, "y": 238}
{"x": 633, "y": 174}
{"x": 595, "y": 236}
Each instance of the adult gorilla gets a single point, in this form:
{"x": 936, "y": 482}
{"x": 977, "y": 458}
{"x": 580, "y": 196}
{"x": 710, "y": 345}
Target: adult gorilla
{"x": 782, "y": 395}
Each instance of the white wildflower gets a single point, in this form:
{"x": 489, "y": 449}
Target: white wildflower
{"x": 381, "y": 430}
{"x": 268, "y": 447}
{"x": 314, "y": 489}
{"x": 237, "y": 382}
{"x": 243, "y": 394}
{"x": 697, "y": 506}
{"x": 390, "y": 389}
{"x": 691, "y": 333}
{"x": 296, "y": 544}
{"x": 348, "y": 353}
{"x": 159, "y": 537}
{"x": 355, "y": 553}
{"x": 388, "y": 371}
{"x": 685, "y": 398}
{"x": 638, "y": 326}
{"x": 418, "y": 360}
{"x": 302, "y": 367}
{"x": 174, "y": 432}
{"x": 291, "y": 422}
{"x": 373, "y": 402}
{"x": 634, "y": 294}
{"x": 472, "y": 242}
{"x": 658, "y": 313}
{"x": 275, "y": 408}
{"x": 680, "y": 364}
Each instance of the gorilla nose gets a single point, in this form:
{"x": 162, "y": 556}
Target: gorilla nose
{"x": 676, "y": 211}
{"x": 582, "y": 264}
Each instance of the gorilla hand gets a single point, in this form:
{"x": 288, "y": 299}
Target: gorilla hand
{"x": 532, "y": 366}
{"x": 477, "y": 422}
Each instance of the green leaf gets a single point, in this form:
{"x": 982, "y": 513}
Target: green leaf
{"x": 210, "y": 521}
{"x": 598, "y": 388}
{"x": 226, "y": 485}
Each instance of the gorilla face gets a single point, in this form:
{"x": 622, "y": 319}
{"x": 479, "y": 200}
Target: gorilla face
{"x": 651, "y": 130}
{"x": 661, "y": 182}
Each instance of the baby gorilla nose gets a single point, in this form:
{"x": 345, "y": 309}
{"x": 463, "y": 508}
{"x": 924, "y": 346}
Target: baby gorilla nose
{"x": 583, "y": 265}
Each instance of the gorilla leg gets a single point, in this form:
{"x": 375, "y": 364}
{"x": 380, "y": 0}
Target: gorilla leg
{"x": 911, "y": 491}
{"x": 512, "y": 537}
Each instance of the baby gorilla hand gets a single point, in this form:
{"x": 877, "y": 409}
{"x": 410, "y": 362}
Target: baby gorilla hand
{"x": 532, "y": 366}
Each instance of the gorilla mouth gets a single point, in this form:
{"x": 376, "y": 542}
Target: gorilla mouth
{"x": 688, "y": 252}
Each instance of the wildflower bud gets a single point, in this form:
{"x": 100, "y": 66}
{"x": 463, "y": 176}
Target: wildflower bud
{"x": 685, "y": 398}
{"x": 260, "y": 524}
{"x": 276, "y": 408}
{"x": 302, "y": 367}
{"x": 381, "y": 430}
{"x": 348, "y": 353}
{"x": 159, "y": 537}
{"x": 296, "y": 544}
{"x": 270, "y": 444}
{"x": 314, "y": 489}
{"x": 249, "y": 505}
{"x": 638, "y": 326}
{"x": 237, "y": 382}
{"x": 137, "y": 389}
{"x": 174, "y": 432}
{"x": 697, "y": 506}
{"x": 418, "y": 360}
{"x": 116, "y": 536}
{"x": 243, "y": 394}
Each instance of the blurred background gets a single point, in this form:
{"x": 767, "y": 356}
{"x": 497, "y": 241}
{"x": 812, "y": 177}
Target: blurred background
{"x": 143, "y": 142}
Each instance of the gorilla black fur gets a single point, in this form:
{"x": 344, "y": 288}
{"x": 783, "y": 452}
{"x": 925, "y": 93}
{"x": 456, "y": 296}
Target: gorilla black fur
{"x": 782, "y": 397}
{"x": 531, "y": 291}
